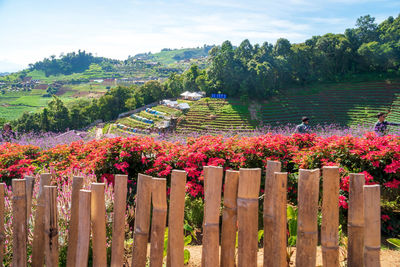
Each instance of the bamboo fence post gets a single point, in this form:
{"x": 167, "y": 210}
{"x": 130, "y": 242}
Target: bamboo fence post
{"x": 20, "y": 235}
{"x": 51, "y": 226}
{"x": 212, "y": 203}
{"x": 247, "y": 205}
{"x": 77, "y": 184}
{"x": 38, "y": 232}
{"x": 159, "y": 220}
{"x": 98, "y": 219}
{"x": 2, "y": 231}
{"x": 355, "y": 226}
{"x": 268, "y": 211}
{"x": 280, "y": 236}
{"x": 142, "y": 220}
{"x": 330, "y": 216}
{"x": 82, "y": 251}
{"x": 118, "y": 228}
{"x": 229, "y": 219}
{"x": 29, "y": 191}
{"x": 372, "y": 212}
{"x": 175, "y": 256}
{"x": 307, "y": 227}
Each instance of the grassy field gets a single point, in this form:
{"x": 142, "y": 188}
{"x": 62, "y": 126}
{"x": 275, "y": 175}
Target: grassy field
{"x": 14, "y": 104}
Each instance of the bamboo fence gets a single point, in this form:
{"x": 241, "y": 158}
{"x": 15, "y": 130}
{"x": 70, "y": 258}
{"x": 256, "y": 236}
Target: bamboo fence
{"x": 231, "y": 219}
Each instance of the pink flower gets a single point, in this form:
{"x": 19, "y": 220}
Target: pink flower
{"x": 392, "y": 184}
{"x": 343, "y": 202}
{"x": 389, "y": 228}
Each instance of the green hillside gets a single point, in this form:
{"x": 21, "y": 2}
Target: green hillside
{"x": 341, "y": 103}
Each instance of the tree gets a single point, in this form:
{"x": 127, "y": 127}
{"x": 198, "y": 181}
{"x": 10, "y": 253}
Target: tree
{"x": 367, "y": 30}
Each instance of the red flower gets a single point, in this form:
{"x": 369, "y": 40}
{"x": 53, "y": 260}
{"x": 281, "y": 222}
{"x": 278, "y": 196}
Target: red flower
{"x": 385, "y": 217}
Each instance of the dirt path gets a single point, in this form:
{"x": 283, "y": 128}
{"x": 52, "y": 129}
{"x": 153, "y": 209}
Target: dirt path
{"x": 389, "y": 258}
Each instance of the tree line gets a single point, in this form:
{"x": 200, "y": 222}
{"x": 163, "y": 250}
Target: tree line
{"x": 246, "y": 71}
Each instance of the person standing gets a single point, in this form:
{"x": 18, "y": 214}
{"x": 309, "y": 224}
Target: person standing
{"x": 381, "y": 126}
{"x": 303, "y": 127}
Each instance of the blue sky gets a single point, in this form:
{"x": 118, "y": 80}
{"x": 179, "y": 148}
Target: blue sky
{"x": 31, "y": 30}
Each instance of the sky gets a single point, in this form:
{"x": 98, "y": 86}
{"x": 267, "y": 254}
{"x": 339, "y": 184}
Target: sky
{"x": 32, "y": 30}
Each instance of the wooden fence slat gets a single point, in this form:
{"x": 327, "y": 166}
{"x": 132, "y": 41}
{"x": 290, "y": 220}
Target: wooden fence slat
{"x": 212, "y": 203}
{"x": 51, "y": 226}
{"x": 38, "y": 232}
{"x": 175, "y": 256}
{"x": 280, "y": 236}
{"x": 159, "y": 220}
{"x": 142, "y": 220}
{"x": 98, "y": 219}
{"x": 30, "y": 182}
{"x": 118, "y": 228}
{"x": 247, "y": 205}
{"x": 307, "y": 227}
{"x": 77, "y": 184}
{"x": 229, "y": 219}
{"x": 20, "y": 235}
{"x": 2, "y": 230}
{"x": 330, "y": 216}
{"x": 372, "y": 212}
{"x": 268, "y": 212}
{"x": 355, "y": 226}
{"x": 82, "y": 251}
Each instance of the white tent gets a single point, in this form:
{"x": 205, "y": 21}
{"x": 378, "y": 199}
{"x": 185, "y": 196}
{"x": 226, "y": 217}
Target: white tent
{"x": 183, "y": 106}
{"x": 186, "y": 94}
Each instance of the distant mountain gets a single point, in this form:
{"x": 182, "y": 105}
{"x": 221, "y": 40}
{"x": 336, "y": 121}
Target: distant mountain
{"x": 169, "y": 56}
{"x": 4, "y": 73}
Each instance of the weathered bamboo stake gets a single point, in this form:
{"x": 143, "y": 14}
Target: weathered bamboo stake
{"x": 280, "y": 236}
{"x": 29, "y": 191}
{"x": 51, "y": 226}
{"x": 247, "y": 205}
{"x": 2, "y": 231}
{"x": 268, "y": 212}
{"x": 159, "y": 200}
{"x": 38, "y": 232}
{"x": 229, "y": 219}
{"x": 307, "y": 227}
{"x": 82, "y": 251}
{"x": 142, "y": 220}
{"x": 175, "y": 257}
{"x": 355, "y": 228}
{"x": 212, "y": 203}
{"x": 330, "y": 216}
{"x": 20, "y": 235}
{"x": 118, "y": 228}
{"x": 98, "y": 218}
{"x": 372, "y": 212}
{"x": 77, "y": 184}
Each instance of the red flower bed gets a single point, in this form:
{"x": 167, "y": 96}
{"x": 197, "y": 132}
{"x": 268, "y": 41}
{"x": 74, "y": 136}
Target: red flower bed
{"x": 377, "y": 157}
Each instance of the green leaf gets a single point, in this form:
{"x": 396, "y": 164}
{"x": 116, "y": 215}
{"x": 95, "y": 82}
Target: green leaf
{"x": 188, "y": 240}
{"x": 292, "y": 241}
{"x": 290, "y": 213}
{"x": 292, "y": 227}
{"x": 260, "y": 235}
{"x": 394, "y": 241}
{"x": 187, "y": 227}
{"x": 186, "y": 256}
{"x": 165, "y": 242}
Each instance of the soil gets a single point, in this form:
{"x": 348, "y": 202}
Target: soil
{"x": 389, "y": 258}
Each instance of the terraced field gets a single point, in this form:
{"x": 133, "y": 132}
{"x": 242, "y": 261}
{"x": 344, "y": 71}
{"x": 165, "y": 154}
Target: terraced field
{"x": 344, "y": 104}
{"x": 213, "y": 115}
{"x": 141, "y": 126}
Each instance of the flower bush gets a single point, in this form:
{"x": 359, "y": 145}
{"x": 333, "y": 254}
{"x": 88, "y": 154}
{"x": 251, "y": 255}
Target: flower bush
{"x": 377, "y": 157}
